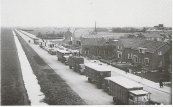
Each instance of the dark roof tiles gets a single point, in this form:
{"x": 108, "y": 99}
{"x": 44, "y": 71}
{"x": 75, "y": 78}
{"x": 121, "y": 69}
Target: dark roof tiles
{"x": 152, "y": 46}
{"x": 129, "y": 43}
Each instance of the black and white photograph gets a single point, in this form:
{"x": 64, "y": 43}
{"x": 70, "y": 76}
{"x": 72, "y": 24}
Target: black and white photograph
{"x": 86, "y": 52}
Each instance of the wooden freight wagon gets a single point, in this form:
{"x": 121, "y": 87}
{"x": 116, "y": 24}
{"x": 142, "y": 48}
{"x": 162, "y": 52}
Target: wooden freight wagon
{"x": 53, "y": 51}
{"x": 106, "y": 83}
{"x": 36, "y": 41}
{"x": 74, "y": 62}
{"x": 42, "y": 44}
{"x": 128, "y": 92}
{"x": 63, "y": 55}
{"x": 96, "y": 73}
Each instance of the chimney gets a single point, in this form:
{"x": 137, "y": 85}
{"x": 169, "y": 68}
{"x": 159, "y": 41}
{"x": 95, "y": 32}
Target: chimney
{"x": 95, "y": 28}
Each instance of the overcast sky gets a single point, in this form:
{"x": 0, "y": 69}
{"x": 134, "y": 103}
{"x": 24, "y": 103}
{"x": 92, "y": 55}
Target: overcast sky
{"x": 84, "y": 13}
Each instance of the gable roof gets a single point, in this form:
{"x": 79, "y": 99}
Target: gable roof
{"x": 152, "y": 46}
{"x": 129, "y": 43}
{"x": 81, "y": 31}
{"x": 152, "y": 34}
{"x": 90, "y": 41}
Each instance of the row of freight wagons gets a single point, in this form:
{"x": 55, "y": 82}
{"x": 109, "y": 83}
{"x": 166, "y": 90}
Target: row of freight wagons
{"x": 123, "y": 90}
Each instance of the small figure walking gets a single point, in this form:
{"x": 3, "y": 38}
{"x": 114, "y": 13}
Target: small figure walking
{"x": 161, "y": 83}
{"x": 29, "y": 41}
{"x": 126, "y": 70}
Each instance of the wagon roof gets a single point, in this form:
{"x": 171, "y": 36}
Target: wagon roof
{"x": 97, "y": 67}
{"x": 139, "y": 92}
{"x": 126, "y": 83}
{"x": 63, "y": 51}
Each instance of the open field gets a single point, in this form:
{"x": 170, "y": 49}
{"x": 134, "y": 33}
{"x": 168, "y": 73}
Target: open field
{"x": 55, "y": 89}
{"x": 12, "y": 87}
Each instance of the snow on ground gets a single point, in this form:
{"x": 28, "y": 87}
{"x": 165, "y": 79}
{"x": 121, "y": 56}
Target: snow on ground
{"x": 30, "y": 80}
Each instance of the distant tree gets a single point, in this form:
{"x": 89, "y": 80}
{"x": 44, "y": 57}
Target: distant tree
{"x": 144, "y": 29}
{"x": 53, "y": 34}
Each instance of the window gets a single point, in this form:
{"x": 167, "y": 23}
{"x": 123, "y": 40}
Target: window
{"x": 146, "y": 61}
{"x": 159, "y": 53}
{"x": 118, "y": 47}
{"x": 86, "y": 51}
{"x": 160, "y": 64}
{"x": 139, "y": 60}
{"x": 158, "y": 39}
{"x": 135, "y": 58}
{"x": 98, "y": 51}
{"x": 106, "y": 52}
{"x": 142, "y": 50}
{"x": 78, "y": 43}
{"x": 129, "y": 55}
{"x": 121, "y": 47}
{"x": 119, "y": 54}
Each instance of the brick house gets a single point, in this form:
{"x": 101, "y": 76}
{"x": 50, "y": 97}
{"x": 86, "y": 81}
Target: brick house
{"x": 89, "y": 46}
{"x": 147, "y": 36}
{"x": 124, "y": 46}
{"x": 153, "y": 36}
{"x": 102, "y": 47}
{"x": 125, "y": 36}
{"x": 68, "y": 35}
{"x": 107, "y": 48}
{"x": 150, "y": 55}
{"x": 168, "y": 61}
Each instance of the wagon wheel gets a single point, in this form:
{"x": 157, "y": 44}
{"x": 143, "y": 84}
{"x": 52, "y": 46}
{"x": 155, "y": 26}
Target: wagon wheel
{"x": 99, "y": 85}
{"x": 80, "y": 72}
{"x": 115, "y": 100}
{"x": 90, "y": 80}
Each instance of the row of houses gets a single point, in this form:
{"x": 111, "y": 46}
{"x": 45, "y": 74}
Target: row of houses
{"x": 148, "y": 54}
{"x": 147, "y": 50}
{"x": 164, "y": 36}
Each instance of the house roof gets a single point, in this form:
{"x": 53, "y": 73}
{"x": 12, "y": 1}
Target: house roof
{"x": 129, "y": 43}
{"x": 152, "y": 46}
{"x": 81, "y": 31}
{"x": 127, "y": 35}
{"x": 98, "y": 41}
{"x": 90, "y": 41}
{"x": 113, "y": 41}
{"x": 152, "y": 34}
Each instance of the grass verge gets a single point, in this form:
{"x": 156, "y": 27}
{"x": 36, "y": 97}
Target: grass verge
{"x": 55, "y": 89}
{"x": 13, "y": 90}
